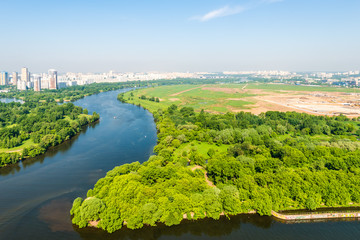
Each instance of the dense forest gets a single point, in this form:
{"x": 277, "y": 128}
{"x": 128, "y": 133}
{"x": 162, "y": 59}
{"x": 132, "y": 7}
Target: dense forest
{"x": 38, "y": 126}
{"x": 210, "y": 165}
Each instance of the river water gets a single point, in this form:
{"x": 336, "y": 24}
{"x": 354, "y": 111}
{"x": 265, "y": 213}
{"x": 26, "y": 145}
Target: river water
{"x": 36, "y": 195}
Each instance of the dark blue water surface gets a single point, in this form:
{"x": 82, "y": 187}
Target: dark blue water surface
{"x": 36, "y": 195}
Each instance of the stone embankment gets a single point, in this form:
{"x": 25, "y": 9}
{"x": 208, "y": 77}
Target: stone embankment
{"x": 316, "y": 216}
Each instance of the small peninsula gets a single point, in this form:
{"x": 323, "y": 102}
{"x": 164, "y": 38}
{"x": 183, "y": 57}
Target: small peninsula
{"x": 208, "y": 165}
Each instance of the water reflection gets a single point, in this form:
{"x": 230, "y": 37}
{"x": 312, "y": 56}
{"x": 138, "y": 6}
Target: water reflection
{"x": 12, "y": 169}
{"x": 55, "y": 217}
{"x": 187, "y": 229}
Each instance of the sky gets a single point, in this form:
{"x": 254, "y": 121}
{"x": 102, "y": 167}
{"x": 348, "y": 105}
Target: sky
{"x": 179, "y": 35}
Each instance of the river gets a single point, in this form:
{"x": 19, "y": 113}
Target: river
{"x": 36, "y": 195}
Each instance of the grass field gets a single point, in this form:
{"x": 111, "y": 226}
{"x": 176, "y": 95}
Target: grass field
{"x": 26, "y": 143}
{"x": 196, "y": 96}
{"x": 201, "y": 147}
{"x": 253, "y": 97}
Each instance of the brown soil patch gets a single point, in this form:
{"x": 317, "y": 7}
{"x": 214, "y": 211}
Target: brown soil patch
{"x": 235, "y": 99}
{"x": 209, "y": 183}
{"x": 196, "y": 167}
{"x": 19, "y": 150}
{"x": 174, "y": 99}
{"x": 315, "y": 103}
{"x": 94, "y": 223}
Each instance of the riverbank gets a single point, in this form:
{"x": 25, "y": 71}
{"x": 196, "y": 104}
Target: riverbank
{"x": 315, "y": 216}
{"x": 38, "y": 192}
{"x": 194, "y": 175}
{"x": 30, "y": 149}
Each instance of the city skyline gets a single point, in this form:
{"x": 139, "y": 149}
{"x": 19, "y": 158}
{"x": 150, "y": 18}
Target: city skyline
{"x": 212, "y": 36}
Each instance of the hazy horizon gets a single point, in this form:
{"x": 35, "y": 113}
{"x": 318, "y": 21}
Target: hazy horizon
{"x": 180, "y": 36}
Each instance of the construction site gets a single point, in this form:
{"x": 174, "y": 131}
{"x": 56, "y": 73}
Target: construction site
{"x": 318, "y": 103}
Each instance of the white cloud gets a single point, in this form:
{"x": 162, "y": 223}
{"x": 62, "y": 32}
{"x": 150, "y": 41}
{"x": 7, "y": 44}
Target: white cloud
{"x": 221, "y": 12}
{"x": 228, "y": 11}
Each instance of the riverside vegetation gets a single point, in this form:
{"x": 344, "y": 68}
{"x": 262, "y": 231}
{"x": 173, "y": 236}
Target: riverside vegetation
{"x": 29, "y": 129}
{"x": 209, "y": 165}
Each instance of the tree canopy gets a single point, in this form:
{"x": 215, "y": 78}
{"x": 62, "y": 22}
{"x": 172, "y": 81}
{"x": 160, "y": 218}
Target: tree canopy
{"x": 208, "y": 165}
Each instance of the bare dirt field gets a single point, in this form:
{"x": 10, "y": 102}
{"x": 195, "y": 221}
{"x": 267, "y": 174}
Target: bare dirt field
{"x": 317, "y": 103}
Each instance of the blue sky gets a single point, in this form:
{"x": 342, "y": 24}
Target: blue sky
{"x": 180, "y": 35}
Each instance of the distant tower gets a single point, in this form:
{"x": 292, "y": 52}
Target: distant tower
{"x": 14, "y": 78}
{"x": 4, "y": 78}
{"x": 25, "y": 75}
{"x": 45, "y": 81}
{"x": 52, "y": 79}
{"x": 37, "y": 83}
{"x": 21, "y": 85}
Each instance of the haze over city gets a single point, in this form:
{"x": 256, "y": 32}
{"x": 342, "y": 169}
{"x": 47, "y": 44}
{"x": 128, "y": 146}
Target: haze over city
{"x": 205, "y": 35}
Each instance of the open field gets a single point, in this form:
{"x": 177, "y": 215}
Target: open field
{"x": 255, "y": 98}
{"x": 19, "y": 149}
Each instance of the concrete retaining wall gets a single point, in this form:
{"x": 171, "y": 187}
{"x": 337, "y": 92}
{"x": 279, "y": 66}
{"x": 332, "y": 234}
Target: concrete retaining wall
{"x": 315, "y": 216}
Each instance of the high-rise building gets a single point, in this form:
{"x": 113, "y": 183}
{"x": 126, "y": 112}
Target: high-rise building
{"x": 21, "y": 85}
{"x": 37, "y": 83}
{"x": 25, "y": 75}
{"x": 45, "y": 81}
{"x": 14, "y": 78}
{"x": 4, "y": 78}
{"x": 52, "y": 79}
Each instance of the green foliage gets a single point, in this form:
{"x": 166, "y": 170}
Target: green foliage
{"x": 111, "y": 220}
{"x": 310, "y": 204}
{"x": 76, "y": 205}
{"x": 9, "y": 158}
{"x": 88, "y": 210}
{"x": 91, "y": 209}
{"x": 274, "y": 161}
{"x": 44, "y": 123}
